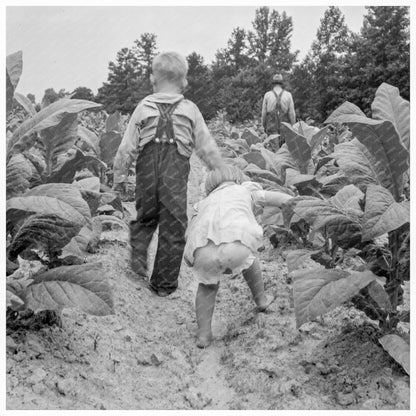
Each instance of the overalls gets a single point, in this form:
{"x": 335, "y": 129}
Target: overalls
{"x": 161, "y": 187}
{"x": 275, "y": 118}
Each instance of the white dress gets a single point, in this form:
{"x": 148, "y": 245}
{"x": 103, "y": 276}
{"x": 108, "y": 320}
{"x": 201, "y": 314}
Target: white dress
{"x": 225, "y": 216}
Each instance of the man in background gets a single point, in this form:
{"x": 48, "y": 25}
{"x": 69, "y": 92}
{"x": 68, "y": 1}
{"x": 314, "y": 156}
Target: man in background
{"x": 277, "y": 107}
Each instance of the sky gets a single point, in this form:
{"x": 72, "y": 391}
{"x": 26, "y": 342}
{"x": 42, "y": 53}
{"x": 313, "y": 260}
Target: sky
{"x": 67, "y": 47}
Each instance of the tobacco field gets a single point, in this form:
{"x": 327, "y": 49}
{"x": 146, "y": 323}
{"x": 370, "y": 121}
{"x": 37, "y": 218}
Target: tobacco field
{"x": 82, "y": 333}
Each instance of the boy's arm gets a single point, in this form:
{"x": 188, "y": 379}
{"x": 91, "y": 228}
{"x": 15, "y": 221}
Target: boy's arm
{"x": 205, "y": 146}
{"x": 127, "y": 150}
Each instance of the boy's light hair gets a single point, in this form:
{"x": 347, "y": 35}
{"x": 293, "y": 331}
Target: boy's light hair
{"x": 170, "y": 66}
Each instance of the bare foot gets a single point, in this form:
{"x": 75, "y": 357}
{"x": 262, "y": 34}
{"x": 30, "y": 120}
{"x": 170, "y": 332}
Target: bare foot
{"x": 268, "y": 300}
{"x": 203, "y": 340}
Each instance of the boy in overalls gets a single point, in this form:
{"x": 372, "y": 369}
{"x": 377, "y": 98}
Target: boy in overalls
{"x": 163, "y": 131}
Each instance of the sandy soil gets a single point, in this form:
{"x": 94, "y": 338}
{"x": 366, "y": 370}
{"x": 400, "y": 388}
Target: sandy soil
{"x": 144, "y": 356}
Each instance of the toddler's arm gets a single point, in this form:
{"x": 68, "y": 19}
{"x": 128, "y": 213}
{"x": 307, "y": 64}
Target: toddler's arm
{"x": 205, "y": 146}
{"x": 275, "y": 198}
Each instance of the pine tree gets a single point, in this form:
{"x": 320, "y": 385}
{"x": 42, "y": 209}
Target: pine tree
{"x": 327, "y": 62}
{"x": 83, "y": 93}
{"x": 199, "y": 89}
{"x": 128, "y": 79}
{"x": 270, "y": 39}
{"x": 383, "y": 52}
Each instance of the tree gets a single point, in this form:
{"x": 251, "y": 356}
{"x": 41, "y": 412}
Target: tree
{"x": 242, "y": 96}
{"x": 32, "y": 98}
{"x": 329, "y": 56}
{"x": 118, "y": 92}
{"x": 383, "y": 52}
{"x": 128, "y": 79}
{"x": 83, "y": 93}
{"x": 270, "y": 39}
{"x": 235, "y": 56}
{"x": 199, "y": 89}
{"x": 304, "y": 91}
{"x": 49, "y": 97}
{"x": 145, "y": 50}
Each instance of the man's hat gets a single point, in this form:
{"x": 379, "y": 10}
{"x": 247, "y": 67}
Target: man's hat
{"x": 277, "y": 79}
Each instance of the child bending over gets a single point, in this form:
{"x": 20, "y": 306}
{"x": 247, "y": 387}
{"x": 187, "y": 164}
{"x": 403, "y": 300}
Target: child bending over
{"x": 223, "y": 238}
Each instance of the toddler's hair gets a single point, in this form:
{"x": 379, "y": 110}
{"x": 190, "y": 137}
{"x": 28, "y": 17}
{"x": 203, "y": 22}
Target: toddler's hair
{"x": 170, "y": 66}
{"x": 224, "y": 173}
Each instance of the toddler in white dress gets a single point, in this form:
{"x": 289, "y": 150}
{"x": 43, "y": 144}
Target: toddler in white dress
{"x": 223, "y": 238}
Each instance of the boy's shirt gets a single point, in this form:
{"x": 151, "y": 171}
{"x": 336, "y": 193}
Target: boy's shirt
{"x": 188, "y": 124}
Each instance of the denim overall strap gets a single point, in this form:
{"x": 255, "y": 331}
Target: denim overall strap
{"x": 279, "y": 115}
{"x": 164, "y": 130}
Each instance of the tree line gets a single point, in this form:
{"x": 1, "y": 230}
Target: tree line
{"x": 340, "y": 65}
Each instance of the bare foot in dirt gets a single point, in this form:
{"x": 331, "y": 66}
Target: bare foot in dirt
{"x": 268, "y": 300}
{"x": 203, "y": 340}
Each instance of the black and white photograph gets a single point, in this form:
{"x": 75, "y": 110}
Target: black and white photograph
{"x": 207, "y": 206}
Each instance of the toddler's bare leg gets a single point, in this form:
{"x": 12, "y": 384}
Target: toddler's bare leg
{"x": 254, "y": 280}
{"x": 204, "y": 305}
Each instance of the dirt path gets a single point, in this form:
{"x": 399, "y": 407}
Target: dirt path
{"x": 144, "y": 356}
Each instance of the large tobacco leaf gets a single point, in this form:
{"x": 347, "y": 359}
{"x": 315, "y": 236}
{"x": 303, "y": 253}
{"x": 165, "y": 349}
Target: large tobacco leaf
{"x": 339, "y": 217}
{"x": 82, "y": 286}
{"x": 35, "y": 156}
{"x": 109, "y": 143}
{"x": 257, "y": 174}
{"x": 317, "y": 291}
{"x": 9, "y": 96}
{"x": 348, "y": 197}
{"x": 58, "y": 140}
{"x": 25, "y": 103}
{"x": 398, "y": 348}
{"x": 347, "y": 113}
{"x": 19, "y": 208}
{"x": 359, "y": 165}
{"x": 389, "y": 158}
{"x": 305, "y": 130}
{"x": 74, "y": 162}
{"x": 91, "y": 184}
{"x": 113, "y": 122}
{"x": 48, "y": 117}
{"x": 18, "y": 174}
{"x": 318, "y": 137}
{"x": 67, "y": 193}
{"x": 305, "y": 184}
{"x": 48, "y": 233}
{"x": 283, "y": 160}
{"x": 63, "y": 200}
{"x": 389, "y": 105}
{"x": 288, "y": 209}
{"x": 14, "y": 65}
{"x": 301, "y": 259}
{"x": 298, "y": 147}
{"x": 88, "y": 140}
{"x": 382, "y": 213}
{"x": 86, "y": 241}
{"x": 331, "y": 184}
{"x": 319, "y": 214}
